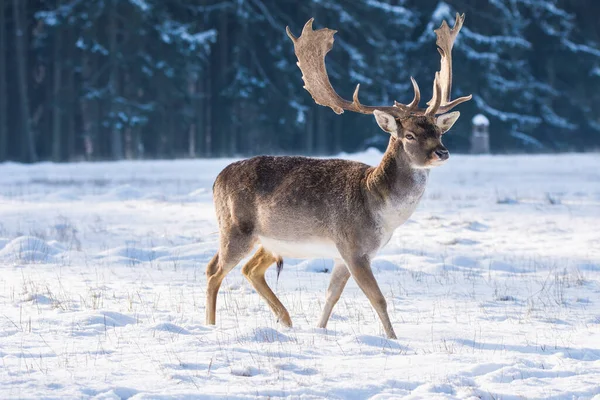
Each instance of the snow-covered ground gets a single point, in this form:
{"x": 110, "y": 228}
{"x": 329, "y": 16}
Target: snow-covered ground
{"x": 493, "y": 287}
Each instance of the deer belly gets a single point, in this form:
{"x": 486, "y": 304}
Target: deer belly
{"x": 310, "y": 248}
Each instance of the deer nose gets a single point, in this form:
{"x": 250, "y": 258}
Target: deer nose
{"x": 442, "y": 154}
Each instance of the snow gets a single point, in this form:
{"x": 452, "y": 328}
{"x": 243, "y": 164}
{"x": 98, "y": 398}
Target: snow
{"x": 397, "y": 11}
{"x": 527, "y": 139}
{"x": 480, "y": 120}
{"x": 171, "y": 31}
{"x": 441, "y": 12}
{"x": 581, "y": 48}
{"x": 512, "y": 41}
{"x": 553, "y": 119}
{"x": 506, "y": 116}
{"x": 141, "y": 4}
{"x": 493, "y": 287}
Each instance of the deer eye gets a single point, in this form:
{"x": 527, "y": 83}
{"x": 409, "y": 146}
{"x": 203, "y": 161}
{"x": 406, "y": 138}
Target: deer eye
{"x": 409, "y": 136}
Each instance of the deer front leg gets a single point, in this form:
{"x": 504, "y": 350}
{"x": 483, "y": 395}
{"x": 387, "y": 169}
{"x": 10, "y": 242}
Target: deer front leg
{"x": 360, "y": 268}
{"x": 337, "y": 283}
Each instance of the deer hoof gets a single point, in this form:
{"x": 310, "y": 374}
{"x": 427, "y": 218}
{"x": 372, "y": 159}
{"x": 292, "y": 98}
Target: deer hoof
{"x": 285, "y": 320}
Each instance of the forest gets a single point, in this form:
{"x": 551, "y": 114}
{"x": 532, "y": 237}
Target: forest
{"x": 136, "y": 79}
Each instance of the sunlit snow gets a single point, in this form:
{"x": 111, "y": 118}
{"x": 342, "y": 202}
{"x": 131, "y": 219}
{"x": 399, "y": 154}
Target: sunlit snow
{"x": 493, "y": 287}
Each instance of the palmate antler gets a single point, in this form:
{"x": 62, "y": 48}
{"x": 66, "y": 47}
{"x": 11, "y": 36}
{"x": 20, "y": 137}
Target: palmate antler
{"x": 312, "y": 47}
{"x": 445, "y": 42}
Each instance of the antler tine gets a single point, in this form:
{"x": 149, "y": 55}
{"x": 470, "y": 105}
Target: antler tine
{"x": 355, "y": 100}
{"x": 436, "y": 99}
{"x": 290, "y": 34}
{"x": 450, "y": 105}
{"x": 415, "y": 103}
{"x": 412, "y": 106}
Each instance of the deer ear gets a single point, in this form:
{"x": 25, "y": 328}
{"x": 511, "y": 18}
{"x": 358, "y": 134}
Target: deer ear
{"x": 386, "y": 122}
{"x": 445, "y": 121}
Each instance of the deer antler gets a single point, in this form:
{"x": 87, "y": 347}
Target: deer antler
{"x": 313, "y": 45}
{"x": 311, "y": 48}
{"x": 445, "y": 42}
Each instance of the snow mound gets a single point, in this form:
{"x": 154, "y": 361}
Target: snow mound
{"x": 321, "y": 265}
{"x": 497, "y": 265}
{"x": 117, "y": 393}
{"x": 3, "y": 243}
{"x": 379, "y": 342}
{"x": 477, "y": 226}
{"x": 124, "y": 192}
{"x": 381, "y": 264}
{"x": 264, "y": 335}
{"x": 171, "y": 328}
{"x": 29, "y": 250}
{"x": 201, "y": 192}
{"x": 444, "y": 388}
{"x": 129, "y": 254}
{"x": 462, "y": 261}
{"x": 245, "y": 371}
{"x": 589, "y": 266}
{"x": 106, "y": 319}
{"x": 62, "y": 195}
{"x": 37, "y": 298}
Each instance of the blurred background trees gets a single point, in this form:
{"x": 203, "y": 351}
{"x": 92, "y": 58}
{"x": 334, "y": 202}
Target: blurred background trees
{"x": 115, "y": 79}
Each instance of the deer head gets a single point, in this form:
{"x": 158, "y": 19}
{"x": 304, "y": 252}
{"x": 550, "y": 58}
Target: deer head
{"x": 419, "y": 130}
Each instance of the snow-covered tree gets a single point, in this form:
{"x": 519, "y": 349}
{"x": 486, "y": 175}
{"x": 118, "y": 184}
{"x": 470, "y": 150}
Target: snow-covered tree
{"x": 152, "y": 78}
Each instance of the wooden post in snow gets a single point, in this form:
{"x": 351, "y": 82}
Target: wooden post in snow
{"x": 480, "y": 137}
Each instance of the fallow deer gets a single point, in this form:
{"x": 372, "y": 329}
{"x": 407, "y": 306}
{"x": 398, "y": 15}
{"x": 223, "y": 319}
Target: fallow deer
{"x": 329, "y": 208}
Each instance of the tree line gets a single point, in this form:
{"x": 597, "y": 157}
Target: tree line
{"x": 127, "y": 79}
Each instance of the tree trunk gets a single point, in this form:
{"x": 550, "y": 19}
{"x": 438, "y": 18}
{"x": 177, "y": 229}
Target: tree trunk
{"x": 208, "y": 145}
{"x": 71, "y": 104}
{"x": 200, "y": 110}
{"x": 321, "y": 139}
{"x": 3, "y": 91}
{"x": 192, "y": 126}
{"x": 116, "y": 141}
{"x": 162, "y": 121}
{"x": 309, "y": 132}
{"x": 227, "y": 119}
{"x": 129, "y": 93}
{"x": 56, "y": 109}
{"x": 89, "y": 107}
{"x": 28, "y": 146}
{"x": 337, "y": 135}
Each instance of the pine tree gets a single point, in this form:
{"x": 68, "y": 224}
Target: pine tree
{"x": 149, "y": 78}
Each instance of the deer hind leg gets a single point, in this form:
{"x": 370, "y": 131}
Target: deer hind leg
{"x": 254, "y": 271}
{"x": 360, "y": 268}
{"x": 337, "y": 283}
{"x": 233, "y": 248}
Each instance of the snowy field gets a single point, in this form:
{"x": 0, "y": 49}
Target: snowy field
{"x": 493, "y": 287}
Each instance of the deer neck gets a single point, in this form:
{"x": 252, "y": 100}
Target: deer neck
{"x": 395, "y": 183}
